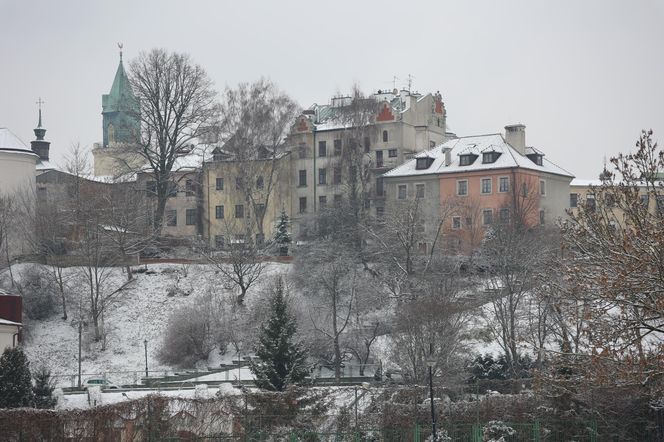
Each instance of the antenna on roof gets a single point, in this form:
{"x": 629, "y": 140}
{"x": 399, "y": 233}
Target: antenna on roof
{"x": 410, "y": 82}
{"x": 394, "y": 82}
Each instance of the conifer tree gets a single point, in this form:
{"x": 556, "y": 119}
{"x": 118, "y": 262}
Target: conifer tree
{"x": 281, "y": 360}
{"x": 43, "y": 389}
{"x": 282, "y": 236}
{"x": 15, "y": 383}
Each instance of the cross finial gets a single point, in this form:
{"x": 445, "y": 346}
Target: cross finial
{"x": 39, "y": 103}
{"x": 120, "y": 47}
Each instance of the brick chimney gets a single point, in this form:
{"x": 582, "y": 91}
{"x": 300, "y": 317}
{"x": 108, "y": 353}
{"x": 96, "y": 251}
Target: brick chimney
{"x": 515, "y": 136}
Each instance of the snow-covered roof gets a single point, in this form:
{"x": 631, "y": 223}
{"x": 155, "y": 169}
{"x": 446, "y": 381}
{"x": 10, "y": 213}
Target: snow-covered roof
{"x": 8, "y": 322}
{"x": 509, "y": 158}
{"x": 9, "y": 142}
{"x": 585, "y": 182}
{"x": 45, "y": 165}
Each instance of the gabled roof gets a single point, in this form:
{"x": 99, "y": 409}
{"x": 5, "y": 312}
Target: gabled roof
{"x": 476, "y": 145}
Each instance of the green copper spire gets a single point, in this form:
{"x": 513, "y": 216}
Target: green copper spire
{"x": 40, "y": 132}
{"x": 120, "y": 109}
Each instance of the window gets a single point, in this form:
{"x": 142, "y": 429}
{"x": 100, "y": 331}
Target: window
{"x": 189, "y": 187}
{"x": 322, "y": 202}
{"x": 303, "y": 204}
{"x": 379, "y": 158}
{"x": 190, "y": 217}
{"x": 392, "y": 153}
{"x": 384, "y": 136}
{"x": 590, "y": 202}
{"x": 260, "y": 209}
{"x": 422, "y": 247}
{"x": 322, "y": 149}
{"x": 456, "y": 222}
{"x": 423, "y": 163}
{"x": 469, "y": 222}
{"x": 302, "y": 151}
{"x": 219, "y": 184}
{"x": 302, "y": 178}
{"x": 610, "y": 200}
{"x": 322, "y": 176}
{"x": 462, "y": 187}
{"x": 239, "y": 211}
{"x": 524, "y": 190}
{"x": 219, "y": 212}
{"x": 171, "y": 218}
{"x": 660, "y": 205}
{"x": 367, "y": 145}
{"x": 504, "y": 184}
{"x": 336, "y": 175}
{"x": 337, "y": 148}
{"x": 402, "y": 191}
{"x": 260, "y": 183}
{"x": 260, "y": 239}
{"x": 487, "y": 217}
{"x": 645, "y": 200}
{"x": 573, "y": 199}
{"x": 419, "y": 190}
{"x": 380, "y": 211}
{"x": 485, "y": 186}
{"x": 337, "y": 200}
{"x": 172, "y": 189}
{"x": 467, "y": 159}
{"x": 542, "y": 188}
{"x": 504, "y": 216}
{"x": 541, "y": 217}
{"x": 151, "y": 187}
{"x": 219, "y": 241}
{"x": 490, "y": 157}
{"x": 380, "y": 188}
{"x": 238, "y": 183}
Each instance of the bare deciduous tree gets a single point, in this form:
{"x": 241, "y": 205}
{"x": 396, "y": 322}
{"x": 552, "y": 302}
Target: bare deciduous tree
{"x": 177, "y": 104}
{"x": 254, "y": 121}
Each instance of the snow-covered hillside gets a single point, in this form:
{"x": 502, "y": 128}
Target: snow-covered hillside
{"x": 140, "y": 312}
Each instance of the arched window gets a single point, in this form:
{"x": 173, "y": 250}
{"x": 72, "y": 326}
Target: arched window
{"x": 384, "y": 136}
{"x": 259, "y": 182}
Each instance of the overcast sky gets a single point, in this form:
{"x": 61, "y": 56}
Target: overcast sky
{"x": 584, "y": 76}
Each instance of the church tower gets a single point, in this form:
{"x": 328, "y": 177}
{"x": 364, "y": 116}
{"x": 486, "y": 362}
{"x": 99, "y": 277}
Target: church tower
{"x": 120, "y": 111}
{"x": 40, "y": 146}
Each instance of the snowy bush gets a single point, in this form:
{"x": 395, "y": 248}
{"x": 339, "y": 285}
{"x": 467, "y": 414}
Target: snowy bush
{"x": 497, "y": 431}
{"x": 190, "y": 336}
{"x": 441, "y": 436}
{"x": 37, "y": 292}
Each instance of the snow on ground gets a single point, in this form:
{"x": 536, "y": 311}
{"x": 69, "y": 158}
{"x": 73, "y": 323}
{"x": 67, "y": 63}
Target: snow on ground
{"x": 139, "y": 313}
{"x": 81, "y": 401}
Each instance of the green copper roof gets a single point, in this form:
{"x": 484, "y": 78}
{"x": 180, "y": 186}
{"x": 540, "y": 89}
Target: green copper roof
{"x": 121, "y": 97}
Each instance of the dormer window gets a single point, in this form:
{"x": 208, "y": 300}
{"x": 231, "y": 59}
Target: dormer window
{"x": 467, "y": 159}
{"x": 423, "y": 163}
{"x": 490, "y": 157}
{"x": 536, "y": 158}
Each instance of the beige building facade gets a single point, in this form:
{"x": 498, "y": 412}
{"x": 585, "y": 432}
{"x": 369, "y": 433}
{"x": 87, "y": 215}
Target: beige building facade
{"x": 328, "y": 147}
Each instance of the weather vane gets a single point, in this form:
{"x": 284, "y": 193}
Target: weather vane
{"x": 39, "y": 103}
{"x": 120, "y": 47}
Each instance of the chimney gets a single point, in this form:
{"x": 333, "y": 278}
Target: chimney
{"x": 515, "y": 136}
{"x": 448, "y": 155}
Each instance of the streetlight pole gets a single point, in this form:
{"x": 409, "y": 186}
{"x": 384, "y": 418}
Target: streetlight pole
{"x": 145, "y": 343}
{"x": 431, "y": 362}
